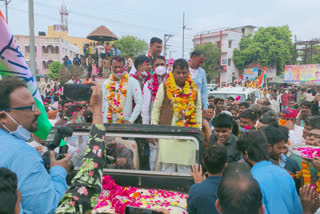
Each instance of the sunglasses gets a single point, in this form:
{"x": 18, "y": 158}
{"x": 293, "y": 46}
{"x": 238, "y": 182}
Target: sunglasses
{"x": 32, "y": 108}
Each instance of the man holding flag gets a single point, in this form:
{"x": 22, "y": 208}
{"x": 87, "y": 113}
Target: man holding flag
{"x": 22, "y": 112}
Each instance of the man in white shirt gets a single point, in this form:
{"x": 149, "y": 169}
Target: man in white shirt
{"x": 150, "y": 89}
{"x": 71, "y": 81}
{"x": 43, "y": 86}
{"x": 295, "y": 132}
{"x": 118, "y": 94}
{"x": 154, "y": 51}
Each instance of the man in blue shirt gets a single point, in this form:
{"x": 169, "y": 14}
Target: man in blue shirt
{"x": 118, "y": 52}
{"x": 41, "y": 192}
{"x": 277, "y": 186}
{"x": 203, "y": 194}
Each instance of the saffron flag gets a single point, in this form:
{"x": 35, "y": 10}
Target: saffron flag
{"x": 239, "y": 79}
{"x": 14, "y": 64}
{"x": 262, "y": 80}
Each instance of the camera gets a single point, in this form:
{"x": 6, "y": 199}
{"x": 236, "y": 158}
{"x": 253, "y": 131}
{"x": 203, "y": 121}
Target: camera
{"x": 57, "y": 133}
{"x": 77, "y": 92}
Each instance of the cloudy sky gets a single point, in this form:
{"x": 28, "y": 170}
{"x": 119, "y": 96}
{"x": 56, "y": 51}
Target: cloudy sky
{"x": 147, "y": 18}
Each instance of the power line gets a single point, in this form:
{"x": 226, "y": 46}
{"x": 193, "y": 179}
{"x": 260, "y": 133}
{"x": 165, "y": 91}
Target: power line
{"x": 78, "y": 13}
{"x": 6, "y": 3}
{"x": 166, "y": 39}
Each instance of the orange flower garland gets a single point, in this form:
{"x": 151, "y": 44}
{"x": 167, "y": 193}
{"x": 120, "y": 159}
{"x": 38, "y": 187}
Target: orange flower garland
{"x": 306, "y": 175}
{"x": 115, "y": 105}
{"x": 183, "y": 101}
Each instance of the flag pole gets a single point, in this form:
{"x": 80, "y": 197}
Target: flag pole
{"x": 31, "y": 40}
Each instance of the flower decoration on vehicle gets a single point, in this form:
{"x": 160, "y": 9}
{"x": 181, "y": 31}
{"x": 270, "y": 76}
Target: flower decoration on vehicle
{"x": 115, "y": 198}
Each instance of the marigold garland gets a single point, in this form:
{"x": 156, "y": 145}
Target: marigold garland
{"x": 306, "y": 175}
{"x": 115, "y": 104}
{"x": 183, "y": 101}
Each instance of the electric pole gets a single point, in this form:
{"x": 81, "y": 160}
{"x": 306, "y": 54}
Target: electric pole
{"x": 166, "y": 39}
{"x": 6, "y": 3}
{"x": 31, "y": 39}
{"x": 184, "y": 27}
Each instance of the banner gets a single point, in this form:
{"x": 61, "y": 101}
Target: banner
{"x": 302, "y": 73}
{"x": 15, "y": 65}
{"x": 250, "y": 73}
{"x": 271, "y": 73}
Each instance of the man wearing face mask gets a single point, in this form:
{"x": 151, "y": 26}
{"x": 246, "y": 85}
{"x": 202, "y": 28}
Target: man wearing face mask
{"x": 143, "y": 65}
{"x": 41, "y": 192}
{"x": 150, "y": 90}
{"x": 118, "y": 93}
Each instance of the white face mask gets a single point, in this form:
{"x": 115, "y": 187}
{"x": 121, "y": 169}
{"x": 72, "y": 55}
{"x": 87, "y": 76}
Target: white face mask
{"x": 20, "y": 133}
{"x": 161, "y": 70}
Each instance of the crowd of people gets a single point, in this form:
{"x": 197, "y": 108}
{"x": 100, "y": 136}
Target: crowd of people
{"x": 95, "y": 62}
{"x": 247, "y": 167}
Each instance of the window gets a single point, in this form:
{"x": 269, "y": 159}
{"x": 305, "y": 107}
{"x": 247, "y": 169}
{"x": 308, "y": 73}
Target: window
{"x": 229, "y": 62}
{"x": 230, "y": 43}
{"x": 125, "y": 146}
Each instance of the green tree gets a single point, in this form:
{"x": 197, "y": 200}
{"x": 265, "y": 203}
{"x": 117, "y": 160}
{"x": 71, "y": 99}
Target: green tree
{"x": 54, "y": 69}
{"x": 316, "y": 56}
{"x": 131, "y": 45}
{"x": 271, "y": 46}
{"x": 212, "y": 63}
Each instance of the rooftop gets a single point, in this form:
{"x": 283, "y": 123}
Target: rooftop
{"x": 225, "y": 29}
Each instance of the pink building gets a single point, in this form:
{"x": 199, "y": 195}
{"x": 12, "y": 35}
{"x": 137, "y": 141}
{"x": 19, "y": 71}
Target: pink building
{"x": 227, "y": 39}
{"x": 48, "y": 50}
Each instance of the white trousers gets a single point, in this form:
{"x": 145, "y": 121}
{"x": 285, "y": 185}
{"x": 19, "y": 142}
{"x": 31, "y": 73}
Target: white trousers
{"x": 172, "y": 167}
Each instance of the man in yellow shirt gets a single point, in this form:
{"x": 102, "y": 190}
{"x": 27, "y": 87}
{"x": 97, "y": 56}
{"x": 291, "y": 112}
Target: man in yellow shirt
{"x": 177, "y": 103}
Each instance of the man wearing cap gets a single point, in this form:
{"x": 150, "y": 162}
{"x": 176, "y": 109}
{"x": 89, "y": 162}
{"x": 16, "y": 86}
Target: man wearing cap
{"x": 295, "y": 132}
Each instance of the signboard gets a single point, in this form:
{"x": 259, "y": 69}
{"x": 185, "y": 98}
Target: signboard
{"x": 271, "y": 73}
{"x": 302, "y": 73}
{"x": 224, "y": 61}
{"x": 251, "y": 73}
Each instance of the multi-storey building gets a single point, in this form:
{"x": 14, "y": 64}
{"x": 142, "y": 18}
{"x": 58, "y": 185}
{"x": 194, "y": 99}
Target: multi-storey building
{"x": 227, "y": 39}
{"x": 48, "y": 50}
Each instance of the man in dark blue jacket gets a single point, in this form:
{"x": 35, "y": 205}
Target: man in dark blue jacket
{"x": 203, "y": 194}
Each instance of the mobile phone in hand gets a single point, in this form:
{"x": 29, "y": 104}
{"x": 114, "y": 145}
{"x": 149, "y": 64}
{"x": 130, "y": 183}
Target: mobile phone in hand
{"x": 77, "y": 92}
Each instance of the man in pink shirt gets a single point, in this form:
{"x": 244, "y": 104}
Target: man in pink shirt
{"x": 285, "y": 100}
